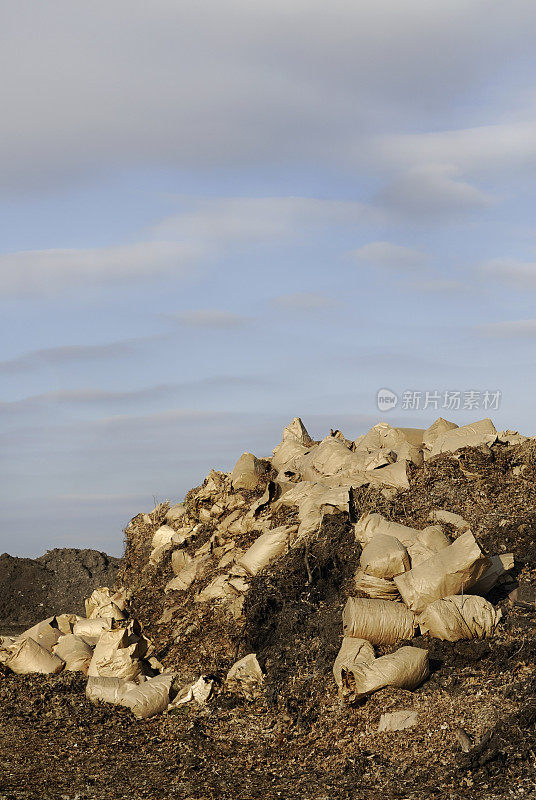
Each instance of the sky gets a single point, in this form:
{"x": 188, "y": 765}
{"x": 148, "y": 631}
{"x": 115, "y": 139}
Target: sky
{"x": 217, "y": 215}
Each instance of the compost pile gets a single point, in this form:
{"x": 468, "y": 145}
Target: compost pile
{"x": 341, "y": 619}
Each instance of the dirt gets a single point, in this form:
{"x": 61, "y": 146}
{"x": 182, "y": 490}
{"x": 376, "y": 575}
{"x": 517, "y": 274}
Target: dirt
{"x": 55, "y": 583}
{"x": 296, "y": 740}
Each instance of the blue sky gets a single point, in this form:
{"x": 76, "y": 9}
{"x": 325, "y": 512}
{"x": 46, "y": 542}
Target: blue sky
{"x": 216, "y": 216}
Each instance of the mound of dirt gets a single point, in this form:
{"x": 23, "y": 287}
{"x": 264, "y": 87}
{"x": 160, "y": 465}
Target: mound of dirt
{"x": 55, "y": 583}
{"x": 294, "y": 737}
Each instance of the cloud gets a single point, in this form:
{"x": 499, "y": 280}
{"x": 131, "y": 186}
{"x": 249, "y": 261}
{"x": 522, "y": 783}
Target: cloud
{"x": 101, "y": 85}
{"x": 180, "y": 245}
{"x": 432, "y": 190}
{"x": 88, "y": 401}
{"x": 477, "y": 150}
{"x": 134, "y": 500}
{"x": 304, "y": 301}
{"x": 441, "y": 286}
{"x": 37, "y": 271}
{"x": 390, "y": 256}
{"x": 225, "y": 221}
{"x": 91, "y": 397}
{"x": 511, "y": 270}
{"x": 437, "y": 173}
{"x": 215, "y": 319}
{"x": 376, "y": 359}
{"x": 67, "y": 355}
{"x": 510, "y": 329}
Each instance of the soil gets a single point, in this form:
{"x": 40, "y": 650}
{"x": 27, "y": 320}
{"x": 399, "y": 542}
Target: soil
{"x": 296, "y": 740}
{"x": 55, "y": 583}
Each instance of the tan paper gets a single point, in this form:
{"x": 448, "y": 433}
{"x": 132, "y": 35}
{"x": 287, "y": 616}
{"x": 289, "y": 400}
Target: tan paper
{"x": 245, "y": 676}
{"x": 474, "y": 435}
{"x": 370, "y": 524}
{"x": 384, "y": 557}
{"x": 352, "y": 652}
{"x": 497, "y": 570}
{"x": 397, "y": 721}
{"x": 176, "y": 513}
{"x": 45, "y": 633}
{"x": 459, "y": 617}
{"x": 430, "y": 540}
{"x": 114, "y": 657}
{"x": 377, "y": 621}
{"x": 93, "y": 628}
{"x": 296, "y": 443}
{"x": 376, "y": 587}
{"x": 179, "y": 560}
{"x": 440, "y": 515}
{"x": 26, "y": 656}
{"x": 66, "y": 622}
{"x": 265, "y": 549}
{"x": 437, "y": 429}
{"x": 76, "y": 653}
{"x": 313, "y": 500}
{"x": 187, "y": 575}
{"x": 404, "y": 669}
{"x": 247, "y": 472}
{"x": 150, "y": 697}
{"x": 166, "y": 535}
{"x": 107, "y": 690}
{"x": 448, "y": 572}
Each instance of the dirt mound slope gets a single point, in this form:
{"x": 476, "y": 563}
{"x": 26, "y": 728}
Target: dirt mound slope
{"x": 55, "y": 583}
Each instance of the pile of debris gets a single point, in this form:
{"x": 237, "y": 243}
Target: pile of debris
{"x": 204, "y": 557}
{"x": 195, "y": 572}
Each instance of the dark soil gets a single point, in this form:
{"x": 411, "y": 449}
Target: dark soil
{"x": 55, "y": 583}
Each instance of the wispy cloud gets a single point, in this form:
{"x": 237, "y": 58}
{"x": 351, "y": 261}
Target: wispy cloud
{"x": 92, "y": 397}
{"x": 511, "y": 270}
{"x": 109, "y": 402}
{"x": 440, "y": 286}
{"x": 479, "y": 149}
{"x": 221, "y": 222}
{"x": 73, "y": 354}
{"x": 37, "y": 271}
{"x": 432, "y": 190}
{"x": 523, "y": 328}
{"x": 103, "y": 499}
{"x": 211, "y": 318}
{"x": 181, "y": 245}
{"x": 304, "y": 301}
{"x": 391, "y": 256}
